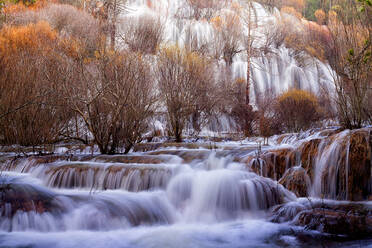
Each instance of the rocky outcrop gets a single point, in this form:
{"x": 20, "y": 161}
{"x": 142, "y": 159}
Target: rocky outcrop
{"x": 335, "y": 165}
{"x": 340, "y": 218}
{"x": 360, "y": 154}
{"x": 296, "y": 180}
{"x": 344, "y": 166}
{"x": 308, "y": 152}
{"x": 22, "y": 197}
{"x": 352, "y": 223}
{"x": 273, "y": 163}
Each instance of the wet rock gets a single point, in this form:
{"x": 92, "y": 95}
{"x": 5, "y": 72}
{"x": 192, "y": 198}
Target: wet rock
{"x": 360, "y": 155}
{"x": 352, "y": 223}
{"x": 138, "y": 159}
{"x": 18, "y": 197}
{"x": 346, "y": 166}
{"x": 145, "y": 147}
{"x": 186, "y": 155}
{"x": 308, "y": 152}
{"x": 342, "y": 161}
{"x": 296, "y": 180}
{"x": 273, "y": 163}
{"x": 353, "y": 219}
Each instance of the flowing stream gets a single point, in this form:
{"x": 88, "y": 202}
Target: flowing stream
{"x": 167, "y": 197}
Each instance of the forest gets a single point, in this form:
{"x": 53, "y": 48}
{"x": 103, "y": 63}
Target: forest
{"x": 72, "y": 70}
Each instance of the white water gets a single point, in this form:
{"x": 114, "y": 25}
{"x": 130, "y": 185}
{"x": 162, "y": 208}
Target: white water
{"x": 331, "y": 168}
{"x": 210, "y": 201}
{"x": 273, "y": 72}
{"x": 201, "y": 203}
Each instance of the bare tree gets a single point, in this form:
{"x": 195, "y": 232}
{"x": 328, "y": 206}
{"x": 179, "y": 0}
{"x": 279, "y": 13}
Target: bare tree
{"x": 67, "y": 20}
{"x": 142, "y": 34}
{"x": 350, "y": 58}
{"x": 268, "y": 121}
{"x": 30, "y": 113}
{"x": 227, "y": 37}
{"x": 205, "y": 8}
{"x": 107, "y": 11}
{"x": 186, "y": 85}
{"x": 113, "y": 95}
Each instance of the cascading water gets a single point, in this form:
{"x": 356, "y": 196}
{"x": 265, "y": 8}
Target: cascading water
{"x": 200, "y": 198}
{"x": 210, "y": 190}
{"x": 173, "y": 197}
{"x": 337, "y": 163}
{"x": 98, "y": 175}
{"x": 275, "y": 71}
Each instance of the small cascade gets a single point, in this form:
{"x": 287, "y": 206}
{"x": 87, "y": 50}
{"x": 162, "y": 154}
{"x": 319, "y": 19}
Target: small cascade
{"x": 27, "y": 206}
{"x": 224, "y": 194}
{"x": 327, "y": 167}
{"x": 232, "y": 185}
{"x": 97, "y": 175}
{"x": 337, "y": 163}
{"x": 329, "y": 164}
{"x": 342, "y": 167}
{"x": 273, "y": 163}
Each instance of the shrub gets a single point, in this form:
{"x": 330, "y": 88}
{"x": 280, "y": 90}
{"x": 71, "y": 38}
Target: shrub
{"x": 187, "y": 87}
{"x": 69, "y": 21}
{"x": 143, "y": 34}
{"x": 297, "y": 110}
{"x": 29, "y": 112}
{"x": 113, "y": 94}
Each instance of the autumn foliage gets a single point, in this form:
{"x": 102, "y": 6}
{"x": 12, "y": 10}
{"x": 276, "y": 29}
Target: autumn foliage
{"x": 297, "y": 110}
{"x": 186, "y": 87}
{"x": 64, "y": 76}
{"x": 26, "y": 94}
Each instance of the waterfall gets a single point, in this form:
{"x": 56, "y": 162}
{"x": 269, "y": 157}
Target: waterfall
{"x": 97, "y": 175}
{"x": 92, "y": 197}
{"x": 338, "y": 163}
{"x": 183, "y": 191}
{"x": 276, "y": 71}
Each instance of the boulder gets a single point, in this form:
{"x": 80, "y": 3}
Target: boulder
{"x": 352, "y": 219}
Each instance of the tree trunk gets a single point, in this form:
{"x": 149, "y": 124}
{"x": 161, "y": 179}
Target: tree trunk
{"x": 247, "y": 89}
{"x": 178, "y": 133}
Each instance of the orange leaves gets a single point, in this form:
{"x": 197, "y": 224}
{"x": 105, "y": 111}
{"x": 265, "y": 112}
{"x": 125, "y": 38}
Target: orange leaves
{"x": 191, "y": 61}
{"x": 299, "y": 5}
{"x": 298, "y": 109}
{"x": 298, "y": 96}
{"x": 293, "y": 7}
{"x": 320, "y": 16}
{"x": 291, "y": 11}
{"x": 33, "y": 37}
{"x": 149, "y": 4}
{"x": 21, "y": 7}
{"x": 217, "y": 22}
{"x": 226, "y": 21}
{"x": 72, "y": 48}
{"x": 14, "y": 8}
